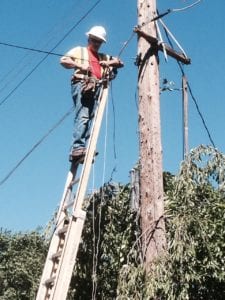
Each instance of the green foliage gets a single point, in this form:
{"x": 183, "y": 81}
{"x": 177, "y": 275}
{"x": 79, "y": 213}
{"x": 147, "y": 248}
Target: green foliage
{"x": 21, "y": 261}
{"x": 107, "y": 238}
{"x": 109, "y": 264}
{"x": 193, "y": 267}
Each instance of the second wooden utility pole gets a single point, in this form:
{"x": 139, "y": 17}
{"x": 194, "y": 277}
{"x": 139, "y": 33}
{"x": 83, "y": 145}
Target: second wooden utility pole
{"x": 151, "y": 174}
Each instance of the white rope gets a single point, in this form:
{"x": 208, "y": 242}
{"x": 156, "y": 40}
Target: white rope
{"x": 186, "y": 7}
{"x": 161, "y": 40}
{"x": 173, "y": 37}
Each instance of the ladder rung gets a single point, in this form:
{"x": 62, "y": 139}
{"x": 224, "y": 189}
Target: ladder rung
{"x": 56, "y": 255}
{"x": 62, "y": 230}
{"x": 50, "y": 281}
{"x": 66, "y": 220}
{"x": 65, "y": 241}
{"x": 69, "y": 204}
{"x": 80, "y": 214}
{"x": 73, "y": 182}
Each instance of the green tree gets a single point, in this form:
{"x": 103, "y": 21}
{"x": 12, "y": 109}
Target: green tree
{"x": 109, "y": 265}
{"x": 193, "y": 267}
{"x": 21, "y": 260}
{"x": 108, "y": 235}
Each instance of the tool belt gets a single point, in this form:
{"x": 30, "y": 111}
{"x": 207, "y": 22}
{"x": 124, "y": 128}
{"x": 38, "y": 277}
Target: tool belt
{"x": 88, "y": 84}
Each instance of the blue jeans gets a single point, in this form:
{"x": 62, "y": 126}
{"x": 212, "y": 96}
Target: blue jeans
{"x": 84, "y": 112}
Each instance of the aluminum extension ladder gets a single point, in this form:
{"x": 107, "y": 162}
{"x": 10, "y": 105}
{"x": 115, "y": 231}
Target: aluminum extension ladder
{"x": 60, "y": 261}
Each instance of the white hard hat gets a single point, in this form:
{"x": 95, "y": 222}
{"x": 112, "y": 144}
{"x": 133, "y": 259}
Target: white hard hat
{"x": 98, "y": 32}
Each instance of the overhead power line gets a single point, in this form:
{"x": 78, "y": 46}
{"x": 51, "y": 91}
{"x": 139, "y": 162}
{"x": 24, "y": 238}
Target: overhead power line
{"x": 126, "y": 44}
{"x": 43, "y": 59}
{"x": 58, "y": 54}
{"x": 191, "y": 93}
{"x": 171, "y": 10}
{"x": 198, "y": 108}
{"x": 26, "y": 60}
{"x": 57, "y": 124}
{"x": 186, "y": 7}
{"x": 30, "y": 49}
{"x": 35, "y": 146}
{"x": 201, "y": 116}
{"x": 36, "y": 50}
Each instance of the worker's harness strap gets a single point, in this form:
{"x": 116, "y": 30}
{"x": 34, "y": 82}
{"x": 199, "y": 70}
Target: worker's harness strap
{"x": 89, "y": 85}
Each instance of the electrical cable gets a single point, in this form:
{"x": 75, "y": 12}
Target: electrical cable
{"x": 40, "y": 51}
{"x": 95, "y": 258}
{"x": 94, "y": 252}
{"x": 26, "y": 60}
{"x": 200, "y": 114}
{"x": 36, "y": 145}
{"x": 170, "y": 10}
{"x": 192, "y": 96}
{"x": 186, "y": 7}
{"x": 161, "y": 40}
{"x": 114, "y": 121}
{"x": 154, "y": 19}
{"x": 169, "y": 33}
{"x": 126, "y": 44}
{"x": 30, "y": 49}
{"x": 45, "y": 136}
{"x": 43, "y": 59}
{"x": 93, "y": 229}
{"x": 105, "y": 142}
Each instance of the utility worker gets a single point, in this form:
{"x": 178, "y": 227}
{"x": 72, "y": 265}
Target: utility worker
{"x": 90, "y": 68}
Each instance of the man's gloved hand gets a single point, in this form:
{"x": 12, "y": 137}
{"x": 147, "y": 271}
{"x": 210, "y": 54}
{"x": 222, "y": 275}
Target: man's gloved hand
{"x": 114, "y": 62}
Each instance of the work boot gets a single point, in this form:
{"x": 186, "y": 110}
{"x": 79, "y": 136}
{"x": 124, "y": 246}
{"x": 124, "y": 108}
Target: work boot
{"x": 77, "y": 154}
{"x": 81, "y": 160}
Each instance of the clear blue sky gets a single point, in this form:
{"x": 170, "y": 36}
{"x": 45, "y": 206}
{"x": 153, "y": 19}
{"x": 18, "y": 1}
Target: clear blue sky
{"x": 29, "y": 197}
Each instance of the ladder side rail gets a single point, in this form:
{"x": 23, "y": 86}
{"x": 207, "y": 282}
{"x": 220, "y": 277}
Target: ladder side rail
{"x": 54, "y": 244}
{"x": 67, "y": 262}
{"x": 90, "y": 151}
{"x": 49, "y": 263}
{"x": 71, "y": 175}
{"x": 73, "y": 236}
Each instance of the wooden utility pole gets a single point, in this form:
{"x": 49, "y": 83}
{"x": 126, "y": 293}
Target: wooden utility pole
{"x": 151, "y": 174}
